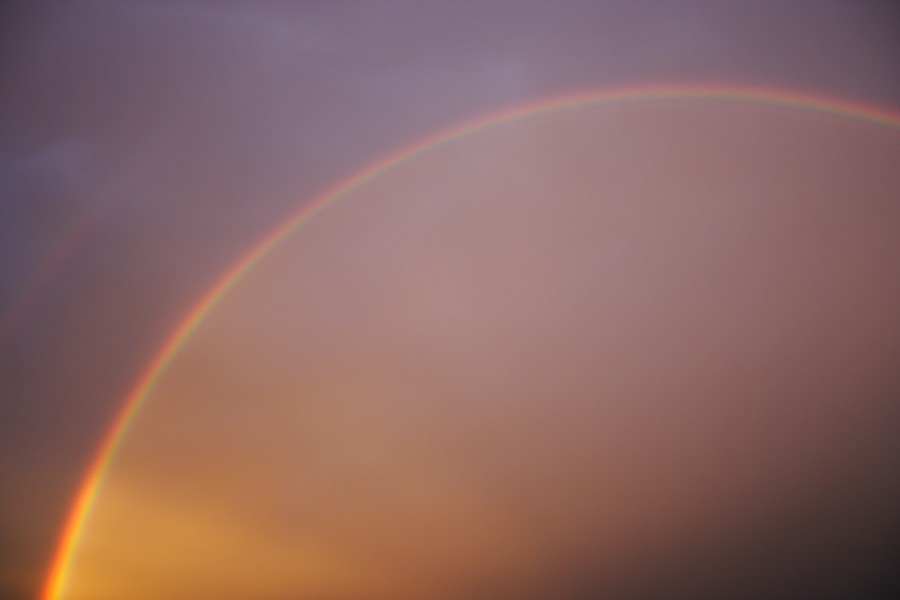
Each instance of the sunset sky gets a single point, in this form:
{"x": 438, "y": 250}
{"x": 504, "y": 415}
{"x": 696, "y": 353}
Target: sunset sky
{"x": 640, "y": 348}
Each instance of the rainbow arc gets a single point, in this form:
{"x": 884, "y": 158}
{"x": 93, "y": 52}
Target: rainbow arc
{"x": 92, "y": 484}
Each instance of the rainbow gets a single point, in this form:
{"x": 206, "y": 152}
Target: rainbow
{"x": 80, "y": 511}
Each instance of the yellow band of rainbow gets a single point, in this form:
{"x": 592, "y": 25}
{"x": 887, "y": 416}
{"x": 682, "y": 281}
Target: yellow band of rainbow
{"x": 80, "y": 511}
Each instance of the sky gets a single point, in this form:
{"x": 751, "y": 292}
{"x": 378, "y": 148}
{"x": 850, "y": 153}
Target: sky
{"x": 636, "y": 350}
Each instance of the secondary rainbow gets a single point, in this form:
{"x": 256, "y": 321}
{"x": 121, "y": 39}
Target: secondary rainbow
{"x": 80, "y": 511}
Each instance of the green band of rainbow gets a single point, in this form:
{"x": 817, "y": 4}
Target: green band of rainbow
{"x": 93, "y": 482}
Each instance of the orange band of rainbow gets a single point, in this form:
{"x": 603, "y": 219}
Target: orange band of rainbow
{"x": 93, "y": 482}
